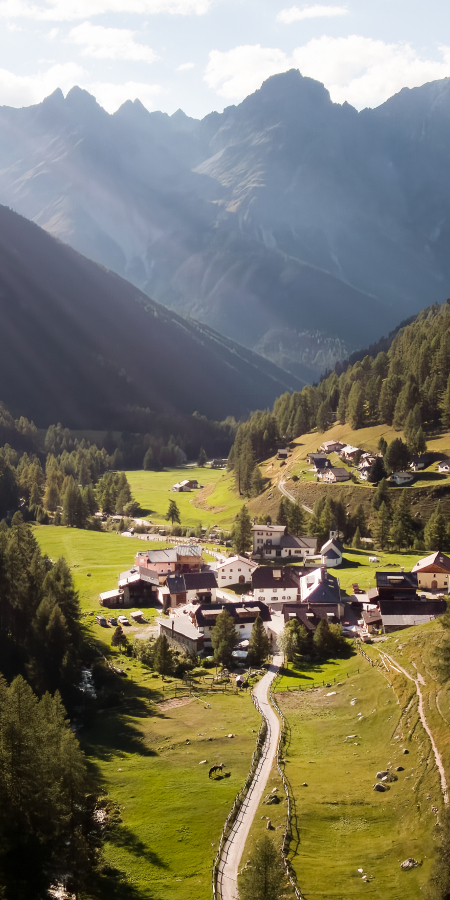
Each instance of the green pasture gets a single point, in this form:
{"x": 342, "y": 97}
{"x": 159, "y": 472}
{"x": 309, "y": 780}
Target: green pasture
{"x": 213, "y": 504}
{"x": 356, "y": 567}
{"x": 341, "y": 735}
{"x": 96, "y": 560}
{"x": 148, "y": 761}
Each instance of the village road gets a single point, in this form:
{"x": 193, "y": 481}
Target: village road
{"x": 284, "y": 490}
{"x": 234, "y": 847}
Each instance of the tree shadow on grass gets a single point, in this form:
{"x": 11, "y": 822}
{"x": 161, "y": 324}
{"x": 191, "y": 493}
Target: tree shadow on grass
{"x": 112, "y": 884}
{"x": 113, "y": 735}
{"x": 123, "y": 837}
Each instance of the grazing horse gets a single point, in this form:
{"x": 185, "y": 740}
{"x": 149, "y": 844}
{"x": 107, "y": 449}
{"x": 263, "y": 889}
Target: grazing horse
{"x": 214, "y": 769}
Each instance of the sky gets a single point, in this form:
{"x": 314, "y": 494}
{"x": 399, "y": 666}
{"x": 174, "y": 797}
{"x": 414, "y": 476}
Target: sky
{"x": 204, "y": 55}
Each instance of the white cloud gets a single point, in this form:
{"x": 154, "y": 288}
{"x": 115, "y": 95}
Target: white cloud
{"x": 110, "y": 43}
{"x": 185, "y": 67}
{"x": 69, "y": 10}
{"x": 111, "y": 96}
{"x": 239, "y": 72}
{"x": 295, "y": 14}
{"x": 363, "y": 71}
{"x": 366, "y": 72}
{"x": 25, "y": 90}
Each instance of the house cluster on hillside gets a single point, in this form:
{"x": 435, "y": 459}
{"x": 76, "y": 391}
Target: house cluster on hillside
{"x": 179, "y": 581}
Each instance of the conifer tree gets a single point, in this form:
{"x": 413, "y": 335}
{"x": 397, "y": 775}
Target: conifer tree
{"x": 324, "y": 416}
{"x": 202, "y": 457}
{"x": 435, "y": 534}
{"x": 401, "y": 528}
{"x": 356, "y": 542}
{"x": 296, "y": 522}
{"x": 259, "y": 644}
{"x": 257, "y": 482}
{"x": 264, "y": 877}
{"x": 242, "y": 532}
{"x": 381, "y": 495}
{"x": 224, "y": 637}
{"x": 173, "y": 513}
{"x": 162, "y": 656}
{"x": 381, "y": 528}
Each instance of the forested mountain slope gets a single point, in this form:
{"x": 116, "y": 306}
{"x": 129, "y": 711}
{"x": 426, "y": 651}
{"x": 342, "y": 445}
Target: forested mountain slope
{"x": 289, "y": 223}
{"x": 83, "y": 346}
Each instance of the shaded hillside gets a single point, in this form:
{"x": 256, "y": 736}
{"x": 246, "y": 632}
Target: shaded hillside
{"x": 289, "y": 223}
{"x": 83, "y": 346}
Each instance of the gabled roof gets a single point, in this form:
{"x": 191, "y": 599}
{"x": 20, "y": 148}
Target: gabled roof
{"x": 181, "y": 625}
{"x": 332, "y": 544}
{"x": 434, "y": 561}
{"x": 263, "y": 577}
{"x": 410, "y": 612}
{"x": 136, "y": 574}
{"x": 242, "y": 612}
{"x": 399, "y": 581}
{"x": 288, "y": 540}
{"x": 237, "y": 559}
{"x": 191, "y": 581}
{"x": 325, "y": 590}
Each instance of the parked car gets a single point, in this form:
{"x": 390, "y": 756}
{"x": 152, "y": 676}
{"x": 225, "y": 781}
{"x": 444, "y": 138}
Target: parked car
{"x": 122, "y": 620}
{"x": 112, "y": 620}
{"x": 101, "y": 621}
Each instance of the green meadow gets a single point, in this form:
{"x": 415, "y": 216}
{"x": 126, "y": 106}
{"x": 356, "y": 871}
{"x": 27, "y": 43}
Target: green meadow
{"x": 341, "y": 734}
{"x": 150, "y": 762}
{"x": 96, "y": 560}
{"x": 215, "y": 503}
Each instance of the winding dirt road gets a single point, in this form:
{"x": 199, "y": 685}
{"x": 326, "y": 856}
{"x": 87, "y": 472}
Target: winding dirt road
{"x": 234, "y": 847}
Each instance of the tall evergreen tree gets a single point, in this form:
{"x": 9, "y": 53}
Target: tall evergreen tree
{"x": 382, "y": 525}
{"x": 224, "y": 637}
{"x": 435, "y": 534}
{"x": 264, "y": 877}
{"x": 296, "y": 524}
{"x": 259, "y": 644}
{"x": 401, "y": 528}
{"x": 242, "y": 535}
{"x": 162, "y": 656}
{"x": 173, "y": 513}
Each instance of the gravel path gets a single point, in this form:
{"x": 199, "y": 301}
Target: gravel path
{"x": 234, "y": 847}
{"x": 284, "y": 490}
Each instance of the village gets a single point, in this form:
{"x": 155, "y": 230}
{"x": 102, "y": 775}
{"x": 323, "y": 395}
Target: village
{"x": 284, "y": 578}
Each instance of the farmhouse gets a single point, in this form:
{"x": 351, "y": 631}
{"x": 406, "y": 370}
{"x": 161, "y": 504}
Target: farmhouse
{"x": 275, "y": 586}
{"x": 137, "y": 587}
{"x": 333, "y": 475}
{"x": 182, "y": 633}
{"x": 282, "y": 454}
{"x": 318, "y": 586}
{"x": 348, "y": 452}
{"x": 270, "y": 541}
{"x": 331, "y": 446}
{"x": 192, "y": 586}
{"x": 235, "y": 570}
{"x": 310, "y": 614}
{"x": 401, "y": 478}
{"x": 433, "y": 572}
{"x": 186, "y": 485}
{"x": 372, "y": 621}
{"x": 395, "y": 586}
{"x": 171, "y": 560}
{"x": 397, "y": 615}
{"x": 244, "y": 614}
{"x": 444, "y": 466}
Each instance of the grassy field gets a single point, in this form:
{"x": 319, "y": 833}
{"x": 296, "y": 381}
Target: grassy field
{"x": 149, "y": 760}
{"x": 215, "y": 503}
{"x": 341, "y": 735}
{"x": 96, "y": 560}
{"x": 171, "y": 813}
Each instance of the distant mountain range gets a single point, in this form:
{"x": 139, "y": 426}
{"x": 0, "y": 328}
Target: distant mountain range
{"x": 83, "y": 346}
{"x": 288, "y": 223}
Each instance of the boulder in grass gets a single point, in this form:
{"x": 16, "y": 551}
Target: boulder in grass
{"x": 409, "y": 863}
{"x": 379, "y": 787}
{"x": 405, "y": 751}
{"x": 399, "y": 769}
{"x": 382, "y": 774}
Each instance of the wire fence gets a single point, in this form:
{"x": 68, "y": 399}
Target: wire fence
{"x": 291, "y": 831}
{"x": 241, "y": 801}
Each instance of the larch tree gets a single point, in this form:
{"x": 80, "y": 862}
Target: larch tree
{"x": 259, "y": 644}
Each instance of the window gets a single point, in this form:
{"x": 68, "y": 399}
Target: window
{"x": 261, "y": 590}
{"x": 223, "y": 576}
{"x": 273, "y": 598}
{"x": 274, "y": 590}
{"x": 283, "y": 598}
{"x": 239, "y": 570}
